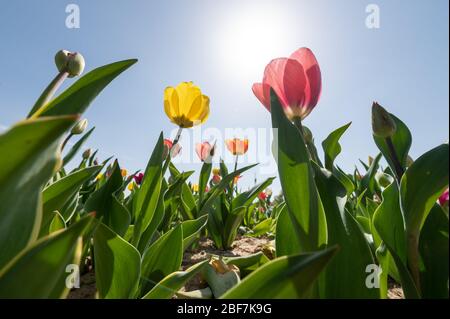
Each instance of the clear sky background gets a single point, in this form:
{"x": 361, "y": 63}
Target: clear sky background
{"x": 223, "y": 46}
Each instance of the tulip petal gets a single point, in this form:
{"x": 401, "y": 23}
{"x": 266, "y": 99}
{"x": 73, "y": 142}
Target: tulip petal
{"x": 294, "y": 83}
{"x": 258, "y": 90}
{"x": 309, "y": 62}
{"x": 205, "y": 109}
{"x": 187, "y": 94}
{"x": 171, "y": 103}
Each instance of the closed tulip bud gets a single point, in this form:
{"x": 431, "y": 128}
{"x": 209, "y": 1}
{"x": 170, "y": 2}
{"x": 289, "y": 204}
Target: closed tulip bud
{"x": 87, "y": 153}
{"x": 80, "y": 127}
{"x": 382, "y": 123}
{"x": 71, "y": 62}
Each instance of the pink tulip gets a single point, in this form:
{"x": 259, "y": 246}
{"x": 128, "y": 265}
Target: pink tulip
{"x": 205, "y": 151}
{"x": 174, "y": 149}
{"x": 443, "y": 199}
{"x": 296, "y": 80}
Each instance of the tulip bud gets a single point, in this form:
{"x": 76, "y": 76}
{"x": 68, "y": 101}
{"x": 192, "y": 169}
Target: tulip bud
{"x": 382, "y": 123}
{"x": 216, "y": 179}
{"x": 80, "y": 127}
{"x": 307, "y": 135}
{"x": 71, "y": 62}
{"x": 87, "y": 153}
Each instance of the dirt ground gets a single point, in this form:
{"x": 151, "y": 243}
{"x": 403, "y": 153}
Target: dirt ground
{"x": 243, "y": 246}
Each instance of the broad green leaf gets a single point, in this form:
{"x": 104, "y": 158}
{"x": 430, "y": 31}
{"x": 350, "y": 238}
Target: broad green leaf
{"x": 345, "y": 276}
{"x": 167, "y": 287}
{"x": 41, "y": 270}
{"x": 296, "y": 177}
{"x": 148, "y": 195}
{"x": 434, "y": 252}
{"x": 401, "y": 140}
{"x": 117, "y": 265}
{"x": 106, "y": 205}
{"x": 246, "y": 198}
{"x": 191, "y": 230}
{"x": 420, "y": 188}
{"x": 162, "y": 258}
{"x": 232, "y": 223}
{"x": 30, "y": 156}
{"x": 262, "y": 228}
{"x": 287, "y": 277}
{"x": 369, "y": 182}
{"x": 76, "y": 147}
{"x": 77, "y": 98}
{"x": 58, "y": 194}
{"x": 288, "y": 234}
{"x": 57, "y": 223}
{"x": 247, "y": 264}
{"x": 390, "y": 226}
{"x": 331, "y": 146}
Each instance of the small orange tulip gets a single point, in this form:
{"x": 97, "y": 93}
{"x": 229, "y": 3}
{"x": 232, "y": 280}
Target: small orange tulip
{"x": 237, "y": 146}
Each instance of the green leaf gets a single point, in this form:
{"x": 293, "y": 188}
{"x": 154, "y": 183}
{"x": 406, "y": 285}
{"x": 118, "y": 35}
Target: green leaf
{"x": 262, "y": 228}
{"x": 420, "y": 188}
{"x": 57, "y": 223}
{"x": 77, "y": 98}
{"x": 288, "y": 234}
{"x": 191, "y": 230}
{"x": 60, "y": 193}
{"x": 117, "y": 265}
{"x": 219, "y": 188}
{"x": 297, "y": 179}
{"x": 40, "y": 271}
{"x": 162, "y": 258}
{"x": 331, "y": 146}
{"x": 32, "y": 155}
{"x": 341, "y": 278}
{"x": 434, "y": 252}
{"x": 76, "y": 147}
{"x": 205, "y": 173}
{"x": 401, "y": 140}
{"x": 247, "y": 264}
{"x": 167, "y": 287}
{"x": 389, "y": 225}
{"x": 232, "y": 222}
{"x": 106, "y": 205}
{"x": 246, "y": 198}
{"x": 147, "y": 197}
{"x": 287, "y": 277}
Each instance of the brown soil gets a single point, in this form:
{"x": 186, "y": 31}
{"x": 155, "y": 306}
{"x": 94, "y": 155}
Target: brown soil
{"x": 87, "y": 288}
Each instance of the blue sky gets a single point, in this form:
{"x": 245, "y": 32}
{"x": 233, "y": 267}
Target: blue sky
{"x": 223, "y": 46}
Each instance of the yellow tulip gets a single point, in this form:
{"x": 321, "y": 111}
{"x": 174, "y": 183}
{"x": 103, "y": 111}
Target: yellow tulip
{"x": 99, "y": 176}
{"x": 216, "y": 171}
{"x": 195, "y": 188}
{"x": 185, "y": 105}
{"x": 124, "y": 172}
{"x": 131, "y": 186}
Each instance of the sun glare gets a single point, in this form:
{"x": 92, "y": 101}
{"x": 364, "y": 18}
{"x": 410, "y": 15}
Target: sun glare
{"x": 251, "y": 38}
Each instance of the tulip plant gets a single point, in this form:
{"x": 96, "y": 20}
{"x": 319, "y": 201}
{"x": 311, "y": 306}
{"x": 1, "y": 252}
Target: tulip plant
{"x": 330, "y": 229}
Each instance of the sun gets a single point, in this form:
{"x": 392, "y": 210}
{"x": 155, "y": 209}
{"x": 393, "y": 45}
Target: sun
{"x": 251, "y": 38}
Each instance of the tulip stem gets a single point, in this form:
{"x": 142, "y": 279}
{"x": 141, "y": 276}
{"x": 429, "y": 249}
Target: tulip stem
{"x": 299, "y": 125}
{"x": 399, "y": 171}
{"x": 175, "y": 142}
{"x": 65, "y": 141}
{"x": 49, "y": 92}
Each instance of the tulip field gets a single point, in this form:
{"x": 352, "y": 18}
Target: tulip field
{"x": 65, "y": 213}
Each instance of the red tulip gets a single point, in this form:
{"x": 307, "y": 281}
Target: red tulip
{"x": 443, "y": 199}
{"x": 296, "y": 80}
{"x": 138, "y": 178}
{"x": 237, "y": 146}
{"x": 262, "y": 196}
{"x": 205, "y": 151}
{"x": 216, "y": 179}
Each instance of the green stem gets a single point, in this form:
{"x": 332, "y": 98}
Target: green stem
{"x": 299, "y": 125}
{"x": 175, "y": 142}
{"x": 399, "y": 171}
{"x": 48, "y": 93}
{"x": 65, "y": 141}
